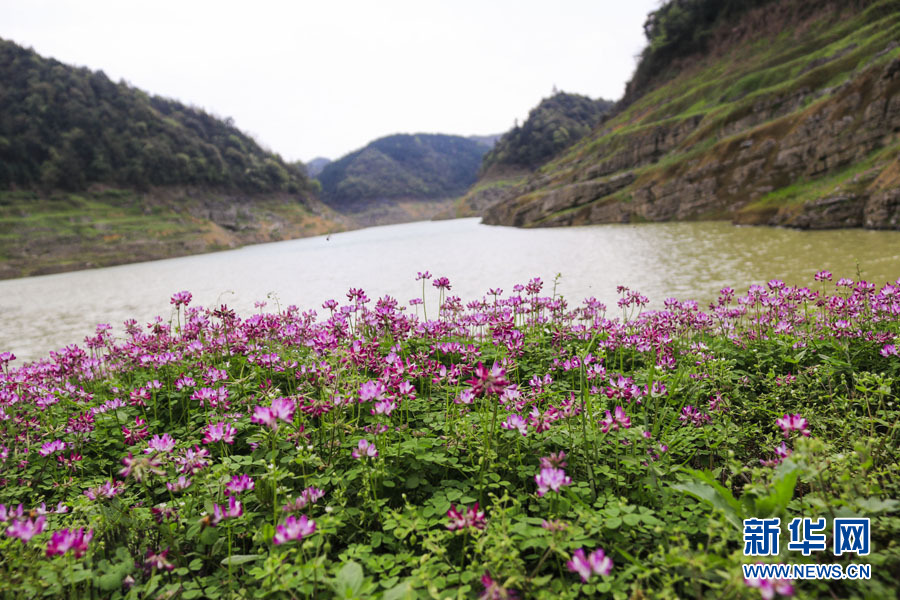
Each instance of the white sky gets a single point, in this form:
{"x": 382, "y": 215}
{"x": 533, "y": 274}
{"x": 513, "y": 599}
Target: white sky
{"x": 324, "y": 78}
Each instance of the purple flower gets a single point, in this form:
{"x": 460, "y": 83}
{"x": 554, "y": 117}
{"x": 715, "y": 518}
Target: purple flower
{"x": 614, "y": 421}
{"x": 795, "y": 422}
{"x": 182, "y": 483}
{"x": 597, "y": 563}
{"x": 281, "y": 409}
{"x": 219, "y": 432}
{"x": 106, "y": 490}
{"x": 51, "y": 447}
{"x": 157, "y": 561}
{"x": 220, "y": 513}
{"x": 441, "y": 283}
{"x": 294, "y": 529}
{"x": 238, "y": 484}
{"x": 310, "y": 495}
{"x": 487, "y": 381}
{"x": 494, "y": 591}
{"x": 160, "y": 444}
{"x": 64, "y": 540}
{"x": 364, "y": 449}
{"x": 551, "y": 479}
{"x": 470, "y": 518}
{"x": 27, "y": 528}
{"x": 769, "y": 587}
{"x": 515, "y": 422}
{"x": 181, "y": 298}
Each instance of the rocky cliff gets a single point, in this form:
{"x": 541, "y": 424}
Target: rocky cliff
{"x": 793, "y": 120}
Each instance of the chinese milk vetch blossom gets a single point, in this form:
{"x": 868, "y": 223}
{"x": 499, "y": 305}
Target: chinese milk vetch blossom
{"x": 596, "y": 563}
{"x": 551, "y": 478}
{"x": 293, "y": 529}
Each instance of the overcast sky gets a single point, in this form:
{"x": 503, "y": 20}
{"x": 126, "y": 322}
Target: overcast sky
{"x": 323, "y": 78}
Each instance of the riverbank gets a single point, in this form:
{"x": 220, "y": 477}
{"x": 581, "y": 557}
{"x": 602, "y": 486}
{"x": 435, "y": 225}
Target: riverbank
{"x": 43, "y": 233}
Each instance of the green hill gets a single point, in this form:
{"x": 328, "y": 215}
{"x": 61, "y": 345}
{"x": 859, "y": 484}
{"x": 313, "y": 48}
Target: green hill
{"x": 416, "y": 171}
{"x": 781, "y": 112}
{"x": 94, "y": 173}
{"x": 553, "y": 125}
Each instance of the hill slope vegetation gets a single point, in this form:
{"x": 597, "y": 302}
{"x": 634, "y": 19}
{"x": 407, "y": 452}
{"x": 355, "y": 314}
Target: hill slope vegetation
{"x": 786, "y": 112}
{"x": 554, "y": 124}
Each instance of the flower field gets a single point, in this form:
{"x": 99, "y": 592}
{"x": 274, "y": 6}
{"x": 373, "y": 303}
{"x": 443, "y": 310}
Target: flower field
{"x": 510, "y": 446}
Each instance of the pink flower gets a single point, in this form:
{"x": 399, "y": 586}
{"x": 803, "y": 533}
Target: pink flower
{"x": 238, "y": 484}
{"x": 310, "y": 495}
{"x": 160, "y": 444}
{"x": 384, "y": 407}
{"x": 64, "y": 540}
{"x": 27, "y": 528}
{"x": 794, "y": 422}
{"x": 294, "y": 529}
{"x": 769, "y": 587}
{"x": 181, "y": 298}
{"x": 182, "y": 483}
{"x": 193, "y": 459}
{"x": 364, "y": 449}
{"x": 220, "y": 513}
{"x": 597, "y": 563}
{"x": 106, "y": 490}
{"x": 470, "y": 518}
{"x": 551, "y": 479}
{"x": 556, "y": 459}
{"x": 219, "y": 432}
{"x": 515, "y": 422}
{"x": 281, "y": 409}
{"x": 51, "y": 447}
{"x": 494, "y": 591}
{"x": 487, "y": 381}
{"x": 157, "y": 561}
{"x": 613, "y": 422}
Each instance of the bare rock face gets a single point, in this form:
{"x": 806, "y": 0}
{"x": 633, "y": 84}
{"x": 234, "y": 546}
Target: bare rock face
{"x": 808, "y": 135}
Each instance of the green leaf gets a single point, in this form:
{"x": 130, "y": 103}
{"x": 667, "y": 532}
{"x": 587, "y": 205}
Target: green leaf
{"x": 776, "y": 502}
{"x": 239, "y": 559}
{"x": 706, "y": 489}
{"x": 349, "y": 580}
{"x": 401, "y": 591}
{"x": 631, "y": 519}
{"x": 613, "y": 523}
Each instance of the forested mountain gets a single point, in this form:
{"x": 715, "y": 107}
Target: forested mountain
{"x": 65, "y": 128}
{"x": 402, "y": 167}
{"x": 315, "y": 166}
{"x": 94, "y": 173}
{"x": 779, "y": 112}
{"x": 555, "y": 123}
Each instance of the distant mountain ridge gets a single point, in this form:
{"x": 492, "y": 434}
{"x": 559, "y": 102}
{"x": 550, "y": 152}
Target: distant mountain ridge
{"x": 554, "y": 124}
{"x": 403, "y": 167}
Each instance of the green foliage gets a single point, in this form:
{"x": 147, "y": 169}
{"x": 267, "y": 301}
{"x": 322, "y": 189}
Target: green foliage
{"x": 554, "y": 124}
{"x": 63, "y": 127}
{"x": 421, "y": 166}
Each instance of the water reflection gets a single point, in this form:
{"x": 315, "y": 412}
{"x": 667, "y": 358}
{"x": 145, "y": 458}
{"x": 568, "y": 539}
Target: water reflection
{"x": 684, "y": 260}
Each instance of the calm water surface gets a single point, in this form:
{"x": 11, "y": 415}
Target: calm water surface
{"x": 684, "y": 260}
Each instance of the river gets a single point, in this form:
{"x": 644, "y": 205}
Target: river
{"x": 682, "y": 260}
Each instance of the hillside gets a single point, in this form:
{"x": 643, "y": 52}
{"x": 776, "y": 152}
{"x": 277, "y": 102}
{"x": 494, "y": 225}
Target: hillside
{"x": 401, "y": 177}
{"x": 95, "y": 173}
{"x": 784, "y": 112}
{"x": 554, "y": 124}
